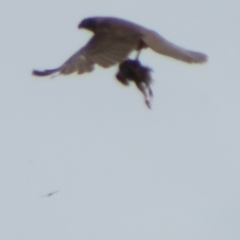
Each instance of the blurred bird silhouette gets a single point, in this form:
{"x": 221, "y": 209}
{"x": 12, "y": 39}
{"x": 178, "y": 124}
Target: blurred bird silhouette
{"x": 50, "y": 194}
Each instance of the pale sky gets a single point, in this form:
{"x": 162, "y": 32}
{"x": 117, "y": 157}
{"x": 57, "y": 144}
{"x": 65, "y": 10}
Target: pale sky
{"x": 122, "y": 171}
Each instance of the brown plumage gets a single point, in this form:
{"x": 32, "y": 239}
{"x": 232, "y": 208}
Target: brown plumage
{"x": 113, "y": 40}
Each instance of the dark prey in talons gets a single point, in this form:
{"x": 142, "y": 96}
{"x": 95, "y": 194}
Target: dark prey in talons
{"x": 132, "y": 70}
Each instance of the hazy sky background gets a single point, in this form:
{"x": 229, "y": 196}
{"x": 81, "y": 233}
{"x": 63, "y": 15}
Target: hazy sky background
{"x": 122, "y": 171}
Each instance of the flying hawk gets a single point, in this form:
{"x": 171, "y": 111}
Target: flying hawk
{"x": 113, "y": 40}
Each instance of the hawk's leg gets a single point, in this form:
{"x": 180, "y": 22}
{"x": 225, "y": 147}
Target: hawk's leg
{"x": 138, "y": 54}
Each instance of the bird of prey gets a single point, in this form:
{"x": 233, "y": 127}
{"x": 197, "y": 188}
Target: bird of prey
{"x": 113, "y": 40}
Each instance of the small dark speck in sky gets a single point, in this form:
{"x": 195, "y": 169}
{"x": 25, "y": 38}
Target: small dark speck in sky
{"x": 50, "y": 194}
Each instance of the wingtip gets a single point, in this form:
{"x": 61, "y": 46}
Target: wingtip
{"x": 197, "y": 57}
{"x": 44, "y": 73}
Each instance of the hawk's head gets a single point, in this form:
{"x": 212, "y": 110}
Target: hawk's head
{"x": 89, "y": 24}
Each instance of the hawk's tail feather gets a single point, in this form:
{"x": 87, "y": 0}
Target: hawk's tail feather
{"x": 45, "y": 72}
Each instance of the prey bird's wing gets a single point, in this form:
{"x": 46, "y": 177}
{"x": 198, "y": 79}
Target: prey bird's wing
{"x": 161, "y": 45}
{"x": 104, "y": 48}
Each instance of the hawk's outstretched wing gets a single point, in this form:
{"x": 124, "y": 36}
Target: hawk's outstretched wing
{"x": 161, "y": 45}
{"x": 104, "y": 49}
